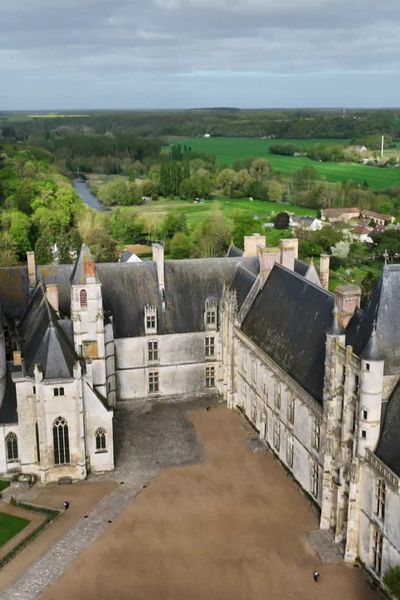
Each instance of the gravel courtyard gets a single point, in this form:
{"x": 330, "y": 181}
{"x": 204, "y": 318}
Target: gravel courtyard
{"x": 228, "y": 523}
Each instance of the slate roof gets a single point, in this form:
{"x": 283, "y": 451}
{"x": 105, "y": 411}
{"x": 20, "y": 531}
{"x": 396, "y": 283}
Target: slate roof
{"x": 289, "y": 320}
{"x": 242, "y": 281}
{"x": 78, "y": 275}
{"x": 383, "y": 308}
{"x": 128, "y": 287}
{"x": 234, "y": 251}
{"x": 388, "y": 448}
{"x": 43, "y": 341}
{"x": 8, "y": 403}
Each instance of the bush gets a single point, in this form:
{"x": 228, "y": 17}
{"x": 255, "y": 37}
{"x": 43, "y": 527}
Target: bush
{"x": 392, "y": 581}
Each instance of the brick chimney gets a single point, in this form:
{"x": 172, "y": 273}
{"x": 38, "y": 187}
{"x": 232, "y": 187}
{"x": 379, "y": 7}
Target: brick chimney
{"x": 324, "y": 270}
{"x": 267, "y": 258}
{"x": 348, "y": 298}
{"x": 251, "y": 242}
{"x": 52, "y": 295}
{"x": 289, "y": 252}
{"x": 31, "y": 268}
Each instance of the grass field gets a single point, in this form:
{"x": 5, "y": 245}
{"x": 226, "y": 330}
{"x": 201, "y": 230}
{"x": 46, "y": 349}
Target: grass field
{"x": 3, "y": 484}
{"x": 155, "y": 211}
{"x": 227, "y": 150}
{"x": 10, "y": 526}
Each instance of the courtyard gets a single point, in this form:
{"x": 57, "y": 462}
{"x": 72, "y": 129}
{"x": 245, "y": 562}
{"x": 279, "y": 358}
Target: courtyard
{"x": 212, "y": 519}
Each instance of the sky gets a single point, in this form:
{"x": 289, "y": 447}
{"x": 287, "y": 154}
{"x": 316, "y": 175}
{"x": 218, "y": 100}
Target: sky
{"x": 76, "y": 54}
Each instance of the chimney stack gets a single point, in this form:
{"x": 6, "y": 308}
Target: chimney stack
{"x": 251, "y": 242}
{"x": 267, "y": 258}
{"x": 289, "y": 250}
{"x": 348, "y": 299}
{"x": 324, "y": 270}
{"x": 31, "y": 268}
{"x": 158, "y": 257}
{"x": 52, "y": 295}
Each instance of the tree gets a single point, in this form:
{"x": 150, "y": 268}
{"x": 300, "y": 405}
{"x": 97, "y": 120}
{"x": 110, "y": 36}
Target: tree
{"x": 227, "y": 180}
{"x": 19, "y": 230}
{"x": 8, "y": 250}
{"x": 282, "y": 220}
{"x": 180, "y": 245}
{"x": 174, "y": 223}
{"x": 243, "y": 224}
{"x": 275, "y": 191}
{"x": 125, "y": 226}
{"x": 43, "y": 252}
{"x": 212, "y": 235}
{"x": 260, "y": 169}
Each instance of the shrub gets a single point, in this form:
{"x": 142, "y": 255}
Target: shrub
{"x": 392, "y": 581}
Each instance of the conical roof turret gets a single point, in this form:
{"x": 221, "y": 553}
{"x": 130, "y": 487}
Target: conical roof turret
{"x": 371, "y": 350}
{"x": 336, "y": 327}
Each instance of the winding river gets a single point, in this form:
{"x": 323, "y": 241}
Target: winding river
{"x": 86, "y": 195}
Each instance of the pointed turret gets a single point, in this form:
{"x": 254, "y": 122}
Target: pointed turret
{"x": 372, "y": 351}
{"x": 336, "y": 328}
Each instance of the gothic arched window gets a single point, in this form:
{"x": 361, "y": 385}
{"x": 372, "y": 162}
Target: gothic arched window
{"x": 101, "y": 439}
{"x": 83, "y": 298}
{"x": 61, "y": 441}
{"x": 12, "y": 446}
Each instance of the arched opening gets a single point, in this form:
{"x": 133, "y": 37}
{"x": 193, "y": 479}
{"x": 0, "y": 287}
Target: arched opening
{"x": 83, "y": 298}
{"x": 61, "y": 442}
{"x": 101, "y": 442}
{"x": 12, "y": 447}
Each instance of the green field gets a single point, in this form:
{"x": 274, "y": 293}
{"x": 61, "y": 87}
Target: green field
{"x": 10, "y": 526}
{"x": 227, "y": 150}
{"x": 155, "y": 211}
{"x": 4, "y": 484}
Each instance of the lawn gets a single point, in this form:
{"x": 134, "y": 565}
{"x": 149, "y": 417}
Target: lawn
{"x": 10, "y": 526}
{"x": 227, "y": 150}
{"x": 155, "y": 211}
{"x": 3, "y": 484}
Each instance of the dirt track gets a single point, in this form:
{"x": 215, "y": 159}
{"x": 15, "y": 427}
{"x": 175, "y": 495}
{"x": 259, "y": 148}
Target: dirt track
{"x": 232, "y": 528}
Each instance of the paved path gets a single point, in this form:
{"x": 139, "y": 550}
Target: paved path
{"x": 149, "y": 438}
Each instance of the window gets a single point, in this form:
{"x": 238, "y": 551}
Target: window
{"x": 34, "y": 389}
{"x": 277, "y": 396}
{"x": 210, "y": 316}
{"x": 58, "y": 391}
{"x": 152, "y": 347}
{"x": 150, "y": 319}
{"x": 277, "y": 435}
{"x": 254, "y": 371}
{"x": 367, "y": 366}
{"x": 100, "y": 439}
{"x": 290, "y": 409}
{"x": 37, "y": 442}
{"x": 356, "y": 384}
{"x": 363, "y": 434}
{"x": 343, "y": 375}
{"x": 265, "y": 423}
{"x": 377, "y": 543}
{"x": 83, "y": 298}
{"x": 210, "y": 345}
{"x": 289, "y": 452}
{"x": 380, "y": 499}
{"x": 210, "y": 377}
{"x": 365, "y": 415}
{"x": 61, "y": 442}
{"x": 153, "y": 382}
{"x": 12, "y": 447}
{"x": 253, "y": 409}
{"x": 316, "y": 435}
{"x": 314, "y": 479}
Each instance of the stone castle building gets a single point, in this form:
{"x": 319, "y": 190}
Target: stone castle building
{"x": 317, "y": 377}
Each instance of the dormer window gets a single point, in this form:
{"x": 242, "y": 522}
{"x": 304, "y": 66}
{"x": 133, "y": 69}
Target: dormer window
{"x": 83, "y": 298}
{"x": 210, "y": 315}
{"x": 150, "y": 319}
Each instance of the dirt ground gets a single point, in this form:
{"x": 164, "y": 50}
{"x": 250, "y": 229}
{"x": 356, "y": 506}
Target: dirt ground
{"x": 232, "y": 528}
{"x": 82, "y": 496}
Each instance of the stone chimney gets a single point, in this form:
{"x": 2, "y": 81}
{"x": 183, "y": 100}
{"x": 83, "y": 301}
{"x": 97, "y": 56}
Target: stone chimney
{"x": 158, "y": 257}
{"x": 348, "y": 298}
{"x": 251, "y": 242}
{"x": 52, "y": 295}
{"x": 289, "y": 251}
{"x": 31, "y": 268}
{"x": 267, "y": 258}
{"x": 324, "y": 270}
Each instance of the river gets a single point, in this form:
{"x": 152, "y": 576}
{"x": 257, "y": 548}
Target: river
{"x": 86, "y": 195}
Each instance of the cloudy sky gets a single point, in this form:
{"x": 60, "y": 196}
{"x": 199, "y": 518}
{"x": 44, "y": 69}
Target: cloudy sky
{"x": 72, "y": 54}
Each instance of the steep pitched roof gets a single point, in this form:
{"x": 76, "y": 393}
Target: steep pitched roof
{"x": 8, "y": 404}
{"x": 78, "y": 275}
{"x": 43, "y": 340}
{"x": 383, "y": 309}
{"x": 388, "y": 448}
{"x": 242, "y": 281}
{"x": 234, "y": 251}
{"x": 289, "y": 320}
